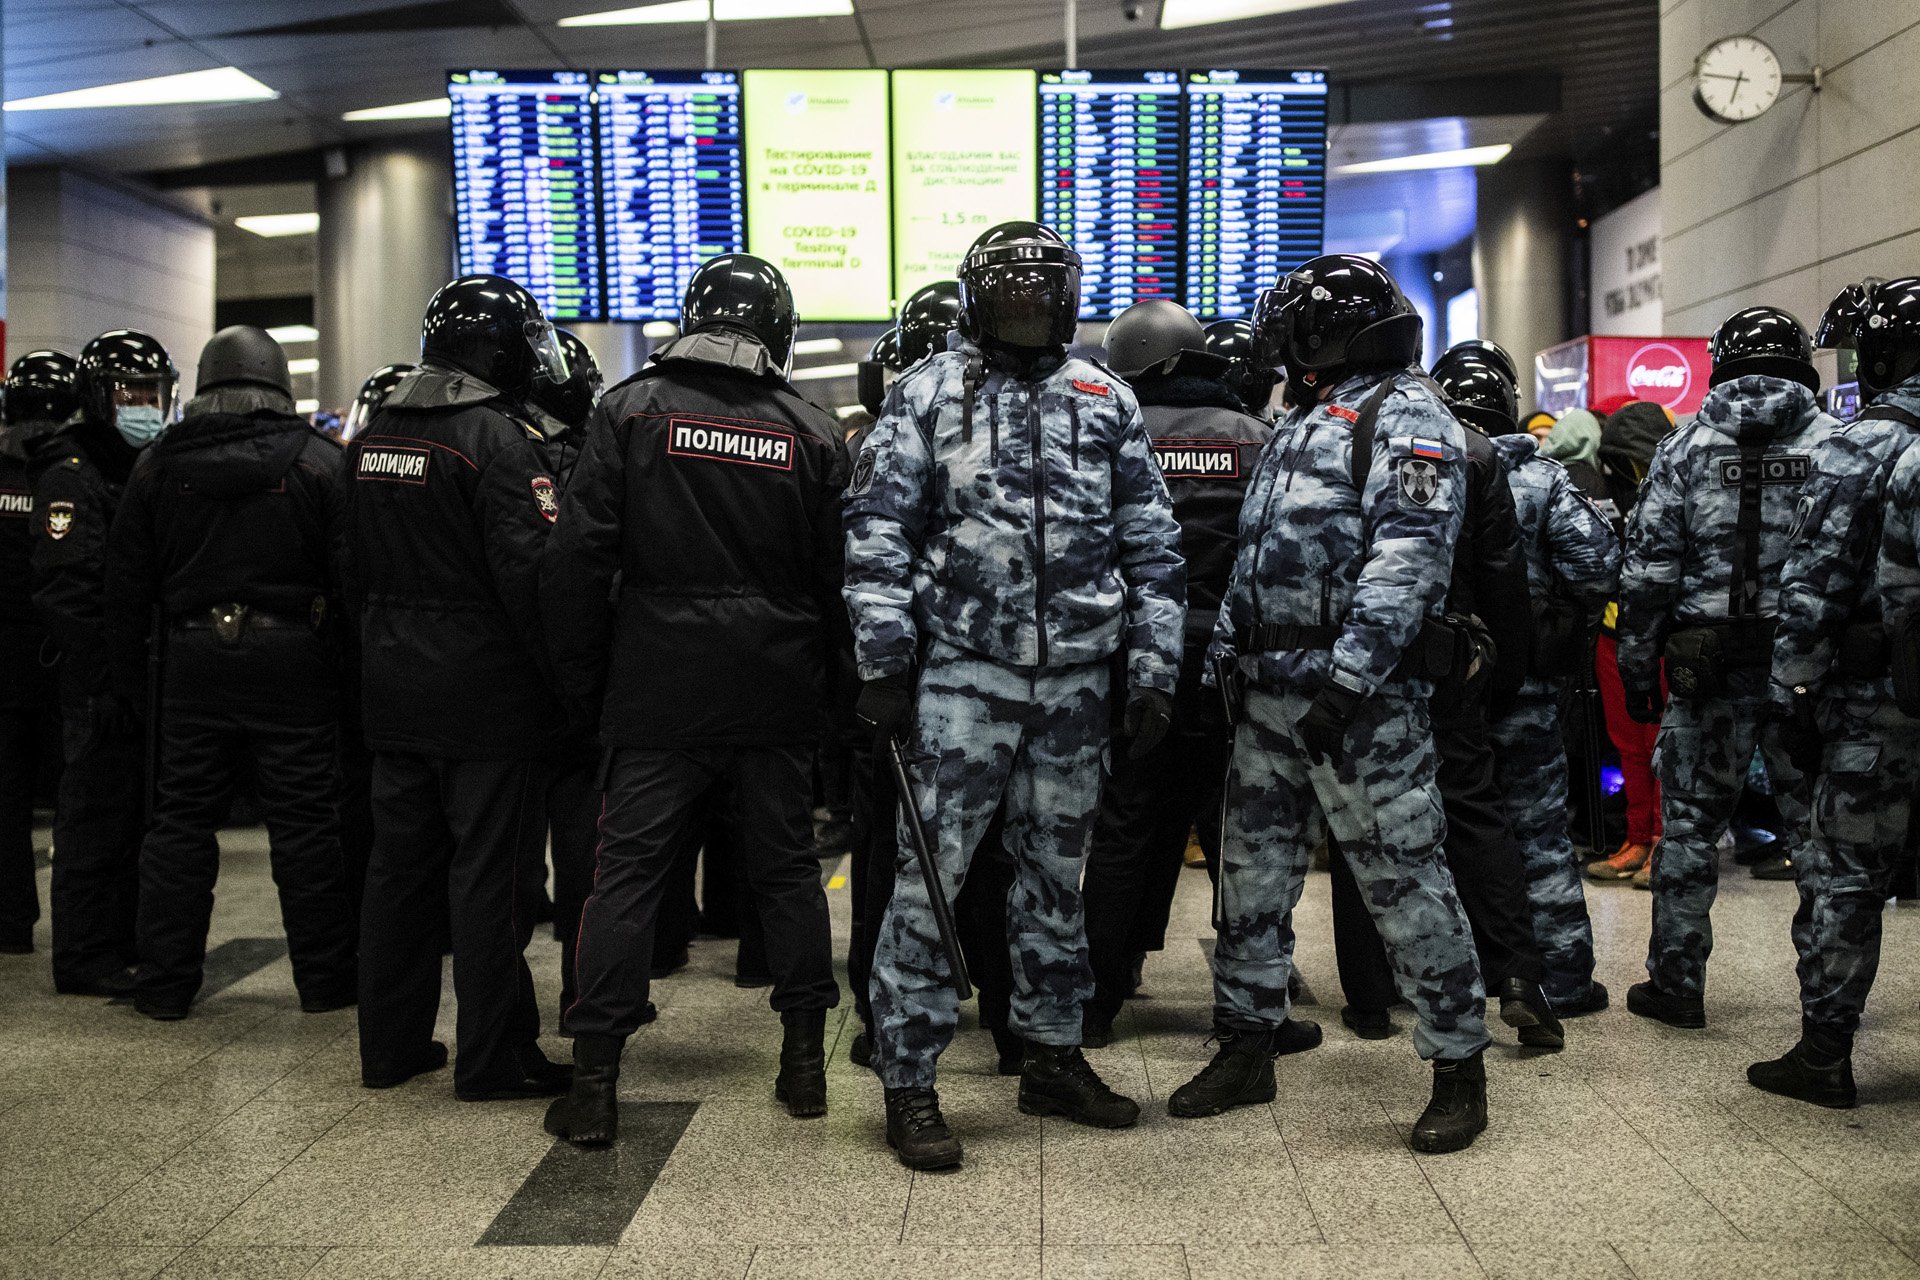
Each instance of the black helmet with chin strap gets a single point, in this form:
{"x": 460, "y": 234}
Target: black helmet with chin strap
{"x": 1253, "y": 382}
{"x": 1888, "y": 340}
{"x": 1765, "y": 341}
{"x": 1335, "y": 315}
{"x": 871, "y": 379}
{"x": 1478, "y": 389}
{"x": 1020, "y": 287}
{"x": 925, "y": 320}
{"x": 1156, "y": 335}
{"x": 741, "y": 292}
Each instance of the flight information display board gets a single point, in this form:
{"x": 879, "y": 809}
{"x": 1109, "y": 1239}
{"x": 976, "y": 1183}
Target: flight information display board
{"x": 1110, "y": 181}
{"x": 671, "y": 183}
{"x": 1256, "y": 166}
{"x": 525, "y": 181}
{"x": 963, "y": 161}
{"x": 819, "y": 204}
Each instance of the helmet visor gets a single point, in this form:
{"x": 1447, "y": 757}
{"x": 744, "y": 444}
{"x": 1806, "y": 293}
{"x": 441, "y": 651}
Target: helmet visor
{"x": 146, "y": 393}
{"x": 1274, "y": 318}
{"x": 1026, "y": 295}
{"x": 549, "y": 357}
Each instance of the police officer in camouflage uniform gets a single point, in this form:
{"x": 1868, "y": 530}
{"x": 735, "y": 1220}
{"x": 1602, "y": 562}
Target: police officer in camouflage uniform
{"x": 1847, "y": 622}
{"x": 1332, "y": 618}
{"x": 1008, "y": 536}
{"x": 1705, "y": 548}
{"x": 1573, "y": 567}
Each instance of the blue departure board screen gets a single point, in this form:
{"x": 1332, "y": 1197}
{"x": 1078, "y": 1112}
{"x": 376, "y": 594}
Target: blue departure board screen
{"x": 1110, "y": 181}
{"x": 671, "y": 184}
{"x": 1256, "y": 167}
{"x": 525, "y": 180}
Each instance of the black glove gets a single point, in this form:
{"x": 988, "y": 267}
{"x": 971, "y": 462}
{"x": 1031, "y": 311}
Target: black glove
{"x": 1791, "y": 711}
{"x": 887, "y": 703}
{"x": 1644, "y": 704}
{"x": 114, "y": 717}
{"x": 1324, "y": 728}
{"x": 1149, "y": 716}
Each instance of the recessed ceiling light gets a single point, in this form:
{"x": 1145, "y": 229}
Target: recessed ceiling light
{"x": 298, "y": 367}
{"x": 285, "y": 333}
{"x": 818, "y": 347}
{"x": 723, "y": 11}
{"x": 1464, "y": 158}
{"x": 222, "y": 84}
{"x": 279, "y": 224}
{"x": 658, "y": 329}
{"x": 425, "y": 109}
{"x": 306, "y": 406}
{"x": 1175, "y": 14}
{"x": 819, "y": 371}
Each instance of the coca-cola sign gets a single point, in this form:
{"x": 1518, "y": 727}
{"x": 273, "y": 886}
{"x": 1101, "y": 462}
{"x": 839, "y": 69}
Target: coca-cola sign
{"x": 1658, "y": 372}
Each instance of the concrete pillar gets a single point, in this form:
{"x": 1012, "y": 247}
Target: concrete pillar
{"x": 386, "y": 243}
{"x": 1523, "y": 224}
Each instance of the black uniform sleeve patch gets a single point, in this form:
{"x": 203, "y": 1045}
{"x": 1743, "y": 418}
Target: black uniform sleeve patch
{"x": 1198, "y": 459}
{"x": 863, "y": 471}
{"x": 730, "y": 442}
{"x": 1419, "y": 481}
{"x": 545, "y": 499}
{"x": 59, "y": 520}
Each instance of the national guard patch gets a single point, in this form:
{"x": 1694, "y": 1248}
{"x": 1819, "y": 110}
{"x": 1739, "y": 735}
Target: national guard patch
{"x": 863, "y": 470}
{"x": 1788, "y": 468}
{"x": 1419, "y": 481}
{"x": 16, "y": 502}
{"x": 544, "y": 498}
{"x": 404, "y": 466}
{"x": 718, "y": 442}
{"x": 59, "y": 519}
{"x": 1197, "y": 459}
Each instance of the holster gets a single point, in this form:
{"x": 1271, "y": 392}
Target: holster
{"x": 1461, "y": 680}
{"x": 1562, "y": 638}
{"x": 1865, "y": 652}
{"x": 1905, "y": 660}
{"x": 1231, "y": 687}
{"x": 1700, "y": 655}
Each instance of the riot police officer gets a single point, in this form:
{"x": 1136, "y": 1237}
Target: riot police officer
{"x": 372, "y": 394}
{"x": 877, "y": 372}
{"x": 1206, "y": 444}
{"x": 710, "y": 490}
{"x": 1573, "y": 568}
{"x": 1253, "y": 383}
{"x": 128, "y": 388}
{"x": 1008, "y": 534}
{"x": 233, "y": 530}
{"x": 451, "y": 503}
{"x": 42, "y": 394}
{"x": 1844, "y": 662}
{"x": 1333, "y": 617}
{"x": 1705, "y": 548}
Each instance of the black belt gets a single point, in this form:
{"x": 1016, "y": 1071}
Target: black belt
{"x": 1743, "y": 641}
{"x": 1273, "y": 637}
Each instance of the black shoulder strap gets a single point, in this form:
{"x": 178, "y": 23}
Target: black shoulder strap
{"x": 1363, "y": 431}
{"x": 1743, "y": 593}
{"x": 970, "y": 382}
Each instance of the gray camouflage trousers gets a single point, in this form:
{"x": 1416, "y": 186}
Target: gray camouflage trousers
{"x": 1530, "y": 763}
{"x": 1701, "y": 759}
{"x": 1383, "y": 808}
{"x": 985, "y": 733}
{"x": 1861, "y": 804}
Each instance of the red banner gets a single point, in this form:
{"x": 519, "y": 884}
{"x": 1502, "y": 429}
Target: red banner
{"x": 1587, "y": 371}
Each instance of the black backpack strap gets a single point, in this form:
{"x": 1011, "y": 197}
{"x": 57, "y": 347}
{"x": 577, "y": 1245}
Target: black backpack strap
{"x": 1892, "y": 412}
{"x": 970, "y": 382}
{"x": 1743, "y": 593}
{"x": 1363, "y": 432}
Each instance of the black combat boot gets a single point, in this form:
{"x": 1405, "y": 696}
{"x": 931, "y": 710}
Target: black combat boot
{"x": 1296, "y": 1035}
{"x": 918, "y": 1132}
{"x": 1458, "y": 1110}
{"x": 1368, "y": 1024}
{"x": 1057, "y": 1080}
{"x": 1818, "y": 1070}
{"x": 1689, "y": 1013}
{"x": 1010, "y": 1051}
{"x": 1240, "y": 1075}
{"x": 860, "y": 1052}
{"x": 588, "y": 1115}
{"x": 1524, "y": 1007}
{"x": 802, "y": 1082}
{"x": 1593, "y": 1002}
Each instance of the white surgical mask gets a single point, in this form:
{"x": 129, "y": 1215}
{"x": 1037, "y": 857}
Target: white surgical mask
{"x": 139, "y": 424}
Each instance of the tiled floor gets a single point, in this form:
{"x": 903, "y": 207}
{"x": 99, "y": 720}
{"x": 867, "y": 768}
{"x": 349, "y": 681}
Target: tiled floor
{"x": 239, "y": 1144}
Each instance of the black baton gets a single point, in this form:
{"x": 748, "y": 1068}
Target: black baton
{"x": 930, "y": 873}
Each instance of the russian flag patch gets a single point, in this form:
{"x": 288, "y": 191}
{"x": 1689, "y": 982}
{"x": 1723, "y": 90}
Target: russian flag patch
{"x": 1428, "y": 448}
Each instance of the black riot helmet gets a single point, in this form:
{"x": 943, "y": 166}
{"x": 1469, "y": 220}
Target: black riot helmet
{"x": 571, "y": 401}
{"x": 123, "y": 367}
{"x": 1765, "y": 341}
{"x": 1840, "y": 324}
{"x": 874, "y": 373}
{"x": 1492, "y": 352}
{"x": 1253, "y": 382}
{"x": 1156, "y": 335}
{"x": 925, "y": 321}
{"x": 1335, "y": 314}
{"x": 243, "y": 353}
{"x": 43, "y": 386}
{"x": 1020, "y": 287}
{"x": 373, "y": 393}
{"x": 1479, "y": 390}
{"x": 741, "y": 292}
{"x": 492, "y": 328}
{"x": 1888, "y": 341}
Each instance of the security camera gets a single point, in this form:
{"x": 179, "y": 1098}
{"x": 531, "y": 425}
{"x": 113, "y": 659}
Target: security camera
{"x": 1132, "y": 10}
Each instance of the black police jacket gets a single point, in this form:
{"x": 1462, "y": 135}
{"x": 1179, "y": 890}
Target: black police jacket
{"x": 226, "y": 509}
{"x": 692, "y": 586}
{"x": 450, "y": 505}
{"x": 26, "y": 673}
{"x": 1206, "y": 444}
{"x": 78, "y": 475}
{"x": 1490, "y": 567}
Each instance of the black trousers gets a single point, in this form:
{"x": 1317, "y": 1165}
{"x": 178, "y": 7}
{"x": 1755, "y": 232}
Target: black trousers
{"x": 203, "y": 754}
{"x": 455, "y": 844}
{"x": 26, "y": 735}
{"x": 355, "y": 804}
{"x": 979, "y": 913}
{"x": 96, "y": 845}
{"x": 1139, "y": 842}
{"x": 573, "y": 829}
{"x": 1488, "y": 873}
{"x": 651, "y": 822}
